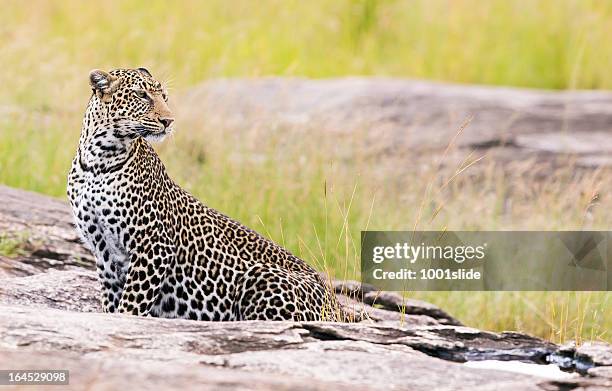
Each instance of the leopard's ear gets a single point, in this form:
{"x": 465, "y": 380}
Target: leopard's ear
{"x": 144, "y": 71}
{"x": 103, "y": 84}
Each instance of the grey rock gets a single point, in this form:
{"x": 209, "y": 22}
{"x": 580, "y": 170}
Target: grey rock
{"x": 357, "y": 296}
{"x": 113, "y": 372}
{"x": 77, "y": 290}
{"x": 43, "y": 227}
{"x": 369, "y": 314}
{"x": 395, "y": 117}
{"x": 598, "y": 353}
{"x": 394, "y": 302}
{"x": 589, "y": 358}
{"x": 248, "y": 353}
{"x": 10, "y": 267}
{"x": 454, "y": 343}
{"x": 72, "y": 290}
{"x": 570, "y": 143}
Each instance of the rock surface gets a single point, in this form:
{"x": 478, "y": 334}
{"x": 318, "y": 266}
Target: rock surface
{"x": 396, "y": 117}
{"x": 42, "y": 228}
{"x": 381, "y": 357}
{"x": 51, "y": 319}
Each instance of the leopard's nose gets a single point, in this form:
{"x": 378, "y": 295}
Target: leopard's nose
{"x": 166, "y": 122}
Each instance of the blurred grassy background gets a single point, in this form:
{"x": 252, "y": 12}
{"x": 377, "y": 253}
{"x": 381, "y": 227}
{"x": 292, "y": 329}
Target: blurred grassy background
{"x": 315, "y": 206}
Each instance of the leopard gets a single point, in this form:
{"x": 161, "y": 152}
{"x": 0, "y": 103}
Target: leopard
{"x": 158, "y": 250}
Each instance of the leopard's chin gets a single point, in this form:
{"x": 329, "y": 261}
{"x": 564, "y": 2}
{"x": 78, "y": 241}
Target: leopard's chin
{"x": 157, "y": 136}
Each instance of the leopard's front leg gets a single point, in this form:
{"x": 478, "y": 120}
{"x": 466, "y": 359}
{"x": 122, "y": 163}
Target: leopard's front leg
{"x": 111, "y": 264}
{"x": 146, "y": 272}
{"x": 111, "y": 285}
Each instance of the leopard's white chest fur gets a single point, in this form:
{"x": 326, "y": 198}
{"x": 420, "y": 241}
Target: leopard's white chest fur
{"x": 99, "y": 221}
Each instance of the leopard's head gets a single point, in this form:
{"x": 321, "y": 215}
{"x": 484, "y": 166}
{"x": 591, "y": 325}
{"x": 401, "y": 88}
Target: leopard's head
{"x": 132, "y": 102}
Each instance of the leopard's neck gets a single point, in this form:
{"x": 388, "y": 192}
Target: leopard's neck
{"x": 101, "y": 148}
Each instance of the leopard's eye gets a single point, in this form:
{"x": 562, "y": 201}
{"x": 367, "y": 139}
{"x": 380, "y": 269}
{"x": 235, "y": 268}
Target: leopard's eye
{"x": 165, "y": 96}
{"x": 142, "y": 94}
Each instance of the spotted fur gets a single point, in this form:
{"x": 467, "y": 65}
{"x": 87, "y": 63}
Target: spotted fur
{"x": 159, "y": 251}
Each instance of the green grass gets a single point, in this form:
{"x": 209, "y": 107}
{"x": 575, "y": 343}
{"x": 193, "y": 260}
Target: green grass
{"x": 11, "y": 246}
{"x": 306, "y": 199}
{"x": 48, "y": 46}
